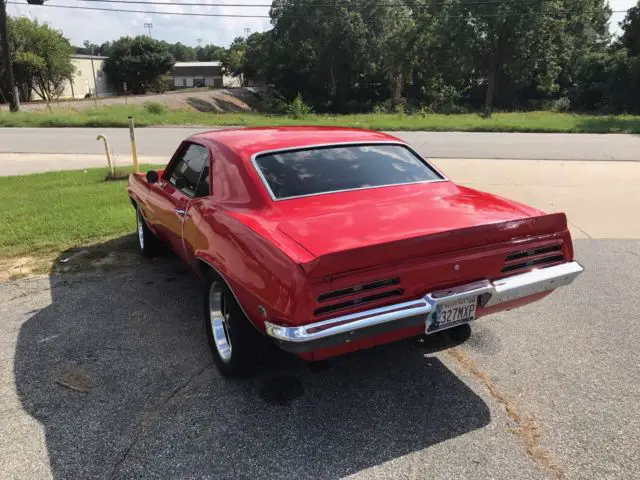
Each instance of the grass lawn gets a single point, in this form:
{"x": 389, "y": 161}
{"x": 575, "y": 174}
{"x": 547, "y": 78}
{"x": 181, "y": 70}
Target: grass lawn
{"x": 116, "y": 116}
{"x": 49, "y": 212}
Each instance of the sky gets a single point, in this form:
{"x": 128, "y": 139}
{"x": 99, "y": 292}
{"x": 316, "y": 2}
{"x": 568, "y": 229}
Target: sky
{"x": 98, "y": 26}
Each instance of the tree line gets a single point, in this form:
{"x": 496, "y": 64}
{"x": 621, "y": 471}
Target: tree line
{"x": 347, "y": 56}
{"x": 447, "y": 55}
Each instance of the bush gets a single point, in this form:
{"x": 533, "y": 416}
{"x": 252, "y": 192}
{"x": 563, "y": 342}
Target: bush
{"x": 161, "y": 84}
{"x": 379, "y": 108}
{"x": 563, "y": 104}
{"x": 399, "y": 107}
{"x": 446, "y": 100}
{"x": 272, "y": 102}
{"x": 155, "y": 108}
{"x": 298, "y": 109}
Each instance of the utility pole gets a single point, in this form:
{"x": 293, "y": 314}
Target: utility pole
{"x": 14, "y": 101}
{"x": 95, "y": 83}
{"x": 149, "y": 26}
{"x": 247, "y": 31}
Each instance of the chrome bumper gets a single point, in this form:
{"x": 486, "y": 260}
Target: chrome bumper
{"x": 343, "y": 329}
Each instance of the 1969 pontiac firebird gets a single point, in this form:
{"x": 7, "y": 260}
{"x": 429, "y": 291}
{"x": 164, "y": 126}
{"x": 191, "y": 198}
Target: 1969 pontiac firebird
{"x": 331, "y": 240}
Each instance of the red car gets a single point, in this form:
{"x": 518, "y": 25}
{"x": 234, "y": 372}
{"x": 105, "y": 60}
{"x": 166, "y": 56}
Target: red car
{"x": 330, "y": 240}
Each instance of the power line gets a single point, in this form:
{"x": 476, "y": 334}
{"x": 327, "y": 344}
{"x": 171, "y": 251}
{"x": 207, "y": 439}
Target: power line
{"x": 335, "y": 5}
{"x": 228, "y": 15}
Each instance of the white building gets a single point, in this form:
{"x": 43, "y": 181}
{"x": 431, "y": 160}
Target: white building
{"x": 197, "y": 74}
{"x": 88, "y": 78}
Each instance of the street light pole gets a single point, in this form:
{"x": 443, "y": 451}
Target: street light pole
{"x": 14, "y": 102}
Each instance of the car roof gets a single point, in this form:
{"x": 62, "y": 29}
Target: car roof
{"x": 249, "y": 141}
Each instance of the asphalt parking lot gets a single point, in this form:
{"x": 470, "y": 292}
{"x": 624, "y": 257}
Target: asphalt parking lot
{"x": 108, "y": 375}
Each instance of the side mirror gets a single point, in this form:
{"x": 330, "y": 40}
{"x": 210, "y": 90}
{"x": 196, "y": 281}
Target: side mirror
{"x": 152, "y": 176}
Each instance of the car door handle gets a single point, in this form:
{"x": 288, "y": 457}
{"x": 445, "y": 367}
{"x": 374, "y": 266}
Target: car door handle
{"x": 181, "y": 212}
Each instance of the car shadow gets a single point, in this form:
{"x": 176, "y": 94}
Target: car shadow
{"x": 117, "y": 371}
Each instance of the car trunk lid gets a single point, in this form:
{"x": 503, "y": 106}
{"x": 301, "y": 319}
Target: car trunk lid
{"x": 386, "y": 233}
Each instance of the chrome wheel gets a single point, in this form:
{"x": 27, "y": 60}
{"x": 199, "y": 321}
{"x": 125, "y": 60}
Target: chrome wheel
{"x": 140, "y": 223}
{"x": 219, "y": 318}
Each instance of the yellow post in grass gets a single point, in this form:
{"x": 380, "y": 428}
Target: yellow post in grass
{"x": 134, "y": 150}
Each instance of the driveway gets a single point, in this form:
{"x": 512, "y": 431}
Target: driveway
{"x": 109, "y": 376}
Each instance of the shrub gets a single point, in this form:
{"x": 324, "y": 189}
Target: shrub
{"x": 563, "y": 104}
{"x": 155, "y": 108}
{"x": 272, "y": 102}
{"x": 400, "y": 108}
{"x": 379, "y": 108}
{"x": 446, "y": 100}
{"x": 298, "y": 109}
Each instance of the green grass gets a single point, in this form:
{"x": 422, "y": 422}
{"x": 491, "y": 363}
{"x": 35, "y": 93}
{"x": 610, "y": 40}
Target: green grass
{"x": 116, "y": 116}
{"x": 50, "y": 212}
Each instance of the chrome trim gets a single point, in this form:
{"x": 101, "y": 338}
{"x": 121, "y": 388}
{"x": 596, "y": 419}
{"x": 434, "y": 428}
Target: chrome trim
{"x": 531, "y": 283}
{"x": 348, "y": 323}
{"x": 219, "y": 319}
{"x": 140, "y": 228}
{"x": 491, "y": 293}
{"x": 341, "y": 144}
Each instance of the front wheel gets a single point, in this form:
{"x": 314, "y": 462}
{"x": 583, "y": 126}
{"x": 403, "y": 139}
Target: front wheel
{"x": 234, "y": 342}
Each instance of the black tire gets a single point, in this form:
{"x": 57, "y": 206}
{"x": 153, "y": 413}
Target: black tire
{"x": 148, "y": 243}
{"x": 235, "y": 344}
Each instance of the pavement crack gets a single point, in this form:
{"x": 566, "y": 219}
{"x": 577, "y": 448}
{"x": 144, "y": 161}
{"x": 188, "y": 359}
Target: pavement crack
{"x": 149, "y": 418}
{"x": 581, "y": 230}
{"x": 527, "y": 429}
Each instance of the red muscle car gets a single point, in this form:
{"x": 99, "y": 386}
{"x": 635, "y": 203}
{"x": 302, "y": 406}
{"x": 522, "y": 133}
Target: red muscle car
{"x": 330, "y": 240}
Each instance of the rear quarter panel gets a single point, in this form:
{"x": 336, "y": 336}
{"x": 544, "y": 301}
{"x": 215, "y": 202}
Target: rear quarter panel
{"x": 257, "y": 271}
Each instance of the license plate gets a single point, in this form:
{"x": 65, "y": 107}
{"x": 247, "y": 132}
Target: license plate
{"x": 449, "y": 314}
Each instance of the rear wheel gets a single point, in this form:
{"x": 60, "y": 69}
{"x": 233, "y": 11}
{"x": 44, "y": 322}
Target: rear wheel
{"x": 234, "y": 342}
{"x": 147, "y": 241}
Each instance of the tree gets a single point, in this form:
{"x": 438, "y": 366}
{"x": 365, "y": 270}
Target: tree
{"x": 90, "y": 48}
{"x": 40, "y": 57}
{"x": 527, "y": 44}
{"x": 209, "y": 53}
{"x": 630, "y": 38}
{"x": 181, "y": 52}
{"x": 139, "y": 62}
{"x": 234, "y": 60}
{"x": 321, "y": 51}
{"x": 607, "y": 80}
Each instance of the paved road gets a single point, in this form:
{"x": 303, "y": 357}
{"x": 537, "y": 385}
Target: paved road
{"x": 549, "y": 391}
{"x": 163, "y": 141}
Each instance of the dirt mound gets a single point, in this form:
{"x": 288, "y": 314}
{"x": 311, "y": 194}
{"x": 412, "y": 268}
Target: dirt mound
{"x": 200, "y": 99}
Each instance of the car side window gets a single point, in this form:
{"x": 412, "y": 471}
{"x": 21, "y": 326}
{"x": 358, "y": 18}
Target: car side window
{"x": 190, "y": 172}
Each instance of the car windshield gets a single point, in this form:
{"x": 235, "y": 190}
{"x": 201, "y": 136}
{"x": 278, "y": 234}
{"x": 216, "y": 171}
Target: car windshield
{"x": 312, "y": 171}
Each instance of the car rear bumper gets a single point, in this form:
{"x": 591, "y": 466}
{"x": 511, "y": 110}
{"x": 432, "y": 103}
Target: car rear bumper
{"x": 347, "y": 328}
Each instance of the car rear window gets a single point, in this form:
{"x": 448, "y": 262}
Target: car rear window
{"x": 313, "y": 171}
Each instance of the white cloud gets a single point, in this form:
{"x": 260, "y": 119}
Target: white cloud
{"x": 98, "y": 27}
